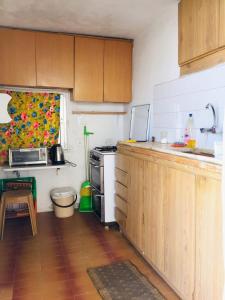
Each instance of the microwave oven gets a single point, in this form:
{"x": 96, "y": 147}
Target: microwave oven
{"x": 28, "y": 156}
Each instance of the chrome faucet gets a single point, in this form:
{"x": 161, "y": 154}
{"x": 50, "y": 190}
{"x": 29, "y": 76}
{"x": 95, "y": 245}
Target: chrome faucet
{"x": 213, "y": 128}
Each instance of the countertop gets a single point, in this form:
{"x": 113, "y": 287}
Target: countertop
{"x": 167, "y": 148}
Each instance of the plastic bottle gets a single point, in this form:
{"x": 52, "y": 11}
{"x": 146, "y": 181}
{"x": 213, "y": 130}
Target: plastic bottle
{"x": 188, "y": 134}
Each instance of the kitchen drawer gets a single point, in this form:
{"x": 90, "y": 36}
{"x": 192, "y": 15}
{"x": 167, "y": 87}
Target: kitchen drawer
{"x": 121, "y": 177}
{"x": 121, "y": 191}
{"x": 120, "y": 218}
{"x": 122, "y": 162}
{"x": 121, "y": 204}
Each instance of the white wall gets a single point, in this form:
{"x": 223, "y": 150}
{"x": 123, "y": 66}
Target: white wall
{"x": 156, "y": 80}
{"x": 155, "y": 57}
{"x": 108, "y": 129}
{"x": 174, "y": 100}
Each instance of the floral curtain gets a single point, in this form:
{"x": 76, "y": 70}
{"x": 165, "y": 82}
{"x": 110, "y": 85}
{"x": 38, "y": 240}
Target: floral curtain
{"x": 35, "y": 121}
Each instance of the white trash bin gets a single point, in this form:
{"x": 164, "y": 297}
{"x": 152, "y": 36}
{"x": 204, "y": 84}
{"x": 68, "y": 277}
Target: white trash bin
{"x": 63, "y": 200}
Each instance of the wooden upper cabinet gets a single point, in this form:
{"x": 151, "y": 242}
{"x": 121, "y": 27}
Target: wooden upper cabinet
{"x": 198, "y": 28}
{"x": 117, "y": 71}
{"x": 222, "y": 24}
{"x": 17, "y": 57}
{"x": 89, "y": 56}
{"x": 55, "y": 60}
{"x": 98, "y": 70}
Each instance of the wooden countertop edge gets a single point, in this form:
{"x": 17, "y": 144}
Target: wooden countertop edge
{"x": 206, "y": 166}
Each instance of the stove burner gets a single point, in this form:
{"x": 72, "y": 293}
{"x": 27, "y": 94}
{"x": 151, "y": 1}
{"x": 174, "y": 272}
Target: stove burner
{"x": 106, "y": 149}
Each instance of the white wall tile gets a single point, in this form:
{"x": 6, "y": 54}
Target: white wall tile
{"x": 175, "y": 100}
{"x": 165, "y": 120}
{"x": 213, "y": 78}
{"x": 165, "y": 105}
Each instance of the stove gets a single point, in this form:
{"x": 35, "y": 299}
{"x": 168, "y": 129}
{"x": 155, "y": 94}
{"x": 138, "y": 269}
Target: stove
{"x": 106, "y": 149}
{"x": 102, "y": 178}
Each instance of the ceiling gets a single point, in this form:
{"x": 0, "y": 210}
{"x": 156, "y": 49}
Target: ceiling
{"x": 121, "y": 18}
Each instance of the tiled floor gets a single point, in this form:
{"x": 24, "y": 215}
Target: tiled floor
{"x": 52, "y": 266}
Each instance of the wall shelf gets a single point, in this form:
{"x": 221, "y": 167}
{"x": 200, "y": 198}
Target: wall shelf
{"x": 33, "y": 168}
{"x": 17, "y": 170}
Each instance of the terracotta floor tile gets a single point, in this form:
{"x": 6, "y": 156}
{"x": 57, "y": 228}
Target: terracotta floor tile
{"x": 6, "y": 291}
{"x": 32, "y": 296}
{"x": 88, "y": 296}
{"x": 53, "y": 265}
{"x": 59, "y": 290}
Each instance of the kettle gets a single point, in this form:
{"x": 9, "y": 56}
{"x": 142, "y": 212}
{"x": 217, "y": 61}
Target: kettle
{"x": 56, "y": 155}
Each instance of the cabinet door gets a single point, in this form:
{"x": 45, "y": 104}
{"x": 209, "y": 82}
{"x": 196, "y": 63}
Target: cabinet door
{"x": 180, "y": 231}
{"x": 89, "y": 53}
{"x": 222, "y": 24}
{"x": 17, "y": 57}
{"x": 198, "y": 28}
{"x": 209, "y": 256}
{"x": 55, "y": 60}
{"x": 134, "y": 225}
{"x": 117, "y": 71}
{"x": 154, "y": 197}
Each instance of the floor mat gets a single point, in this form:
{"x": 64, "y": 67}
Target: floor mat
{"x": 123, "y": 281}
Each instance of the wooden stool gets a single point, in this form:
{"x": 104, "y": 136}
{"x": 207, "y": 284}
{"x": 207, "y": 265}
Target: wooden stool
{"x": 17, "y": 197}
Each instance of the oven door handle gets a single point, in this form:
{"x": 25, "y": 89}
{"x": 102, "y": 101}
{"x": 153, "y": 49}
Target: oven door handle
{"x": 96, "y": 195}
{"x": 95, "y": 166}
{"x": 99, "y": 195}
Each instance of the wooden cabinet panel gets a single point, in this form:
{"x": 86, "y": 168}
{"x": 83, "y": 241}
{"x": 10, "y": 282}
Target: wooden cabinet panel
{"x": 122, "y": 162}
{"x": 117, "y": 71}
{"x": 179, "y": 232}
{"x": 121, "y": 204}
{"x": 134, "y": 226}
{"x": 222, "y": 24}
{"x": 121, "y": 177}
{"x": 120, "y": 218}
{"x": 17, "y": 57}
{"x": 186, "y": 30}
{"x": 198, "y": 28}
{"x": 121, "y": 190}
{"x": 154, "y": 198}
{"x": 89, "y": 56}
{"x": 209, "y": 256}
{"x": 55, "y": 60}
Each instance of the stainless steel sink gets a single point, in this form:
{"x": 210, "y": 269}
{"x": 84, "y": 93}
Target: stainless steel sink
{"x": 198, "y": 152}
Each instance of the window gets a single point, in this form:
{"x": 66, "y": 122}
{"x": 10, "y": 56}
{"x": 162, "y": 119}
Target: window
{"x": 35, "y": 117}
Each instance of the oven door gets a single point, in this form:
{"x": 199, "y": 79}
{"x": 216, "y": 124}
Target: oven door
{"x": 97, "y": 176}
{"x": 98, "y": 204}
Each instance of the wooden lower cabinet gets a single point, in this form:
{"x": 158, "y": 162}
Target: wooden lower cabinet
{"x": 153, "y": 229}
{"x": 169, "y": 224}
{"x": 173, "y": 216}
{"x": 209, "y": 276}
{"x": 179, "y": 231}
{"x": 134, "y": 225}
{"x": 121, "y": 219}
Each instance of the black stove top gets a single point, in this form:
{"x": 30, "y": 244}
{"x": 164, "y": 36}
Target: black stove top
{"x": 106, "y": 149}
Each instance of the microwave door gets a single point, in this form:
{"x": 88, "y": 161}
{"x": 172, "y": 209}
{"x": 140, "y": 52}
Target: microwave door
{"x": 25, "y": 156}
